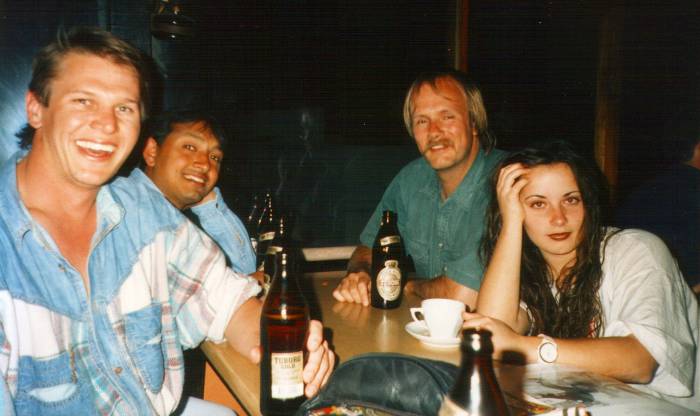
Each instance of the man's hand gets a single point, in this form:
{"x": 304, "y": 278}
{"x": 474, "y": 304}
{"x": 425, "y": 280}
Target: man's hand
{"x": 354, "y": 288}
{"x": 320, "y": 361}
{"x": 208, "y": 197}
{"x": 259, "y": 275}
{"x": 319, "y": 364}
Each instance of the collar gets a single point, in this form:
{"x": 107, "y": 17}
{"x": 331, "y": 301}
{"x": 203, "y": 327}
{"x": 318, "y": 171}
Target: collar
{"x": 473, "y": 177}
{"x": 13, "y": 211}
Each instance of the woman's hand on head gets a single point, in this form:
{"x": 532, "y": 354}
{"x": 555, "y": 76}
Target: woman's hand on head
{"x": 511, "y": 180}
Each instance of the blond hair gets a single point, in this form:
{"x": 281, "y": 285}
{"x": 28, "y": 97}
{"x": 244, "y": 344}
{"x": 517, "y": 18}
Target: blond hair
{"x": 472, "y": 95}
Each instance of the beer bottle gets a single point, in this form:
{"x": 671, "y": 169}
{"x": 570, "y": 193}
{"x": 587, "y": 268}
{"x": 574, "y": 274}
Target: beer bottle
{"x": 278, "y": 244}
{"x": 266, "y": 230}
{"x": 283, "y": 326}
{"x": 476, "y": 391}
{"x": 253, "y": 220}
{"x": 387, "y": 259}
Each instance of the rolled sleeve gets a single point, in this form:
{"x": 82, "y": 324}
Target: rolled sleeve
{"x": 205, "y": 293}
{"x": 229, "y": 293}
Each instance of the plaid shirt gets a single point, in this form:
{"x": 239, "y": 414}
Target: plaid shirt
{"x": 157, "y": 284}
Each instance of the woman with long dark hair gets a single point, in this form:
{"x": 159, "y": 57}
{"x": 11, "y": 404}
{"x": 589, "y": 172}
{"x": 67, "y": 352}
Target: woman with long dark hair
{"x": 560, "y": 287}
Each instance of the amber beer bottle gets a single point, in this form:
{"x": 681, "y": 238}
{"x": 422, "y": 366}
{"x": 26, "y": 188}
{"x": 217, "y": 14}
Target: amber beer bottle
{"x": 387, "y": 259}
{"x": 476, "y": 391}
{"x": 283, "y": 327}
{"x": 266, "y": 230}
{"x": 253, "y": 221}
{"x": 277, "y": 245}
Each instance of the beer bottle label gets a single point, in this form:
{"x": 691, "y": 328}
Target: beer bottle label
{"x": 389, "y": 240}
{"x": 267, "y": 236}
{"x": 448, "y": 408}
{"x": 273, "y": 249}
{"x": 287, "y": 381}
{"x": 389, "y": 280}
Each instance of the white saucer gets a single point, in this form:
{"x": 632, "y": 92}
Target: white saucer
{"x": 420, "y": 331}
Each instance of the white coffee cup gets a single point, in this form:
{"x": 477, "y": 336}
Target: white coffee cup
{"x": 442, "y": 317}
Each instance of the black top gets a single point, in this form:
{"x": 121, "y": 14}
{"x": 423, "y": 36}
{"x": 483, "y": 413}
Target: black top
{"x": 669, "y": 206}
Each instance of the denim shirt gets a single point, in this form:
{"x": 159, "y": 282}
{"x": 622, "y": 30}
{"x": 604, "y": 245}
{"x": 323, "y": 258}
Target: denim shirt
{"x": 222, "y": 225}
{"x": 157, "y": 284}
{"x": 442, "y": 237}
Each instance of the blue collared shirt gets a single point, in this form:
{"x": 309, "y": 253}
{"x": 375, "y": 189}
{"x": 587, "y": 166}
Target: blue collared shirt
{"x": 442, "y": 237}
{"x": 157, "y": 284}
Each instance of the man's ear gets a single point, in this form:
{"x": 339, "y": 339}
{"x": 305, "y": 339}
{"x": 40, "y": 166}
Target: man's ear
{"x": 34, "y": 110}
{"x": 150, "y": 152}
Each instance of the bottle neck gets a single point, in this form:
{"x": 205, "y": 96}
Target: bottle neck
{"x": 388, "y": 217}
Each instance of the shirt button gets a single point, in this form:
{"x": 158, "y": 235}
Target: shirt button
{"x": 440, "y": 245}
{"x": 117, "y": 370}
{"x": 444, "y": 269}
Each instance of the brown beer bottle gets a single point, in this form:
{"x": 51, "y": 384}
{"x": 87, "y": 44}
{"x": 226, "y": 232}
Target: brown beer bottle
{"x": 283, "y": 326}
{"x": 253, "y": 220}
{"x": 277, "y": 245}
{"x": 476, "y": 391}
{"x": 387, "y": 261}
{"x": 266, "y": 230}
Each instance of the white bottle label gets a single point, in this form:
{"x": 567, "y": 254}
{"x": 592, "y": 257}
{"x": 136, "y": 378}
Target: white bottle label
{"x": 389, "y": 280}
{"x": 448, "y": 408}
{"x": 287, "y": 368}
{"x": 273, "y": 249}
{"x": 389, "y": 240}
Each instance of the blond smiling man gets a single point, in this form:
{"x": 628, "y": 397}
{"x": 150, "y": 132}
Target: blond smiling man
{"x": 102, "y": 284}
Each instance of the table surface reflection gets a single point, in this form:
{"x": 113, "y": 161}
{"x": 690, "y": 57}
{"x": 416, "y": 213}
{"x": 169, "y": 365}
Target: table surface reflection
{"x": 353, "y": 330}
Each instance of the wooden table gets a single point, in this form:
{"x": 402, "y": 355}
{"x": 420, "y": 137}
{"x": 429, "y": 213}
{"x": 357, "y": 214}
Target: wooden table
{"x": 355, "y": 329}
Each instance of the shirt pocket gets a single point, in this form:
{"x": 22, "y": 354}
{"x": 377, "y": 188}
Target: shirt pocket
{"x": 417, "y": 247}
{"x": 144, "y": 338}
{"x": 51, "y": 386}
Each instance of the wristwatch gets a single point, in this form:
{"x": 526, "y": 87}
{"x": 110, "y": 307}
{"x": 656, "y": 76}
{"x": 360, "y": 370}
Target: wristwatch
{"x": 547, "y": 351}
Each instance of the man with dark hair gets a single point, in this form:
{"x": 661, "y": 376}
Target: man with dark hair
{"x": 104, "y": 283}
{"x": 440, "y": 198}
{"x": 182, "y": 155}
{"x": 669, "y": 204}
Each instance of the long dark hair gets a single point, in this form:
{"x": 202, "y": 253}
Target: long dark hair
{"x": 577, "y": 312}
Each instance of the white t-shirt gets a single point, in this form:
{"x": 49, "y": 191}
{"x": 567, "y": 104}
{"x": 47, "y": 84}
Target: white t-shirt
{"x": 643, "y": 293}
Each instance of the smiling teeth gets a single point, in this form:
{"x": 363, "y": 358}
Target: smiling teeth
{"x": 96, "y": 146}
{"x": 194, "y": 178}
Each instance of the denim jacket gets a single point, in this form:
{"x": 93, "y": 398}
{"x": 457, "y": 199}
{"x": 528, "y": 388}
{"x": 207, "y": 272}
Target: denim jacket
{"x": 222, "y": 225}
{"x": 157, "y": 284}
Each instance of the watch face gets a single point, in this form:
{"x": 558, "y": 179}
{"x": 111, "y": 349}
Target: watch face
{"x": 548, "y": 352}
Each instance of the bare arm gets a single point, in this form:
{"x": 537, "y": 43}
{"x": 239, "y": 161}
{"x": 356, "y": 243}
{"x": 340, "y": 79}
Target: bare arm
{"x": 356, "y": 284}
{"x": 696, "y": 289}
{"x": 243, "y": 334}
{"x": 442, "y": 287}
{"x": 499, "y": 295}
{"x": 243, "y": 329}
{"x": 623, "y": 358}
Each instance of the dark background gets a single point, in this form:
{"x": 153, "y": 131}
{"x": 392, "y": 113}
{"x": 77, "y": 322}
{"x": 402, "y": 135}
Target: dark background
{"x": 333, "y": 73}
